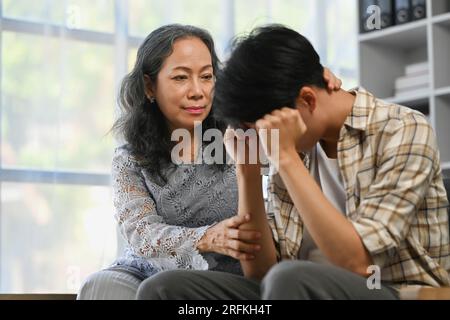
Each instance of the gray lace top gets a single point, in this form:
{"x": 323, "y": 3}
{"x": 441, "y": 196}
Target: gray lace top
{"x": 162, "y": 222}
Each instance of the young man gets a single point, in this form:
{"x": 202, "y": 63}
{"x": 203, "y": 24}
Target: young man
{"x": 358, "y": 189}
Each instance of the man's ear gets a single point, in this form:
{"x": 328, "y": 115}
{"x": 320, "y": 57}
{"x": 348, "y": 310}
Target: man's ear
{"x": 148, "y": 87}
{"x": 307, "y": 98}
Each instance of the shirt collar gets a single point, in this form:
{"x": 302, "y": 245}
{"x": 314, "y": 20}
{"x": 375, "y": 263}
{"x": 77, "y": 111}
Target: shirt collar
{"x": 362, "y": 109}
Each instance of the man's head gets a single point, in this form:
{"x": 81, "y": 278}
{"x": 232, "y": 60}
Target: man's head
{"x": 272, "y": 68}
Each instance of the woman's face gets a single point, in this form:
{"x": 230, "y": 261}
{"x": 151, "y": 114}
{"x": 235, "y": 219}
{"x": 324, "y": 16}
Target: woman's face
{"x": 184, "y": 86}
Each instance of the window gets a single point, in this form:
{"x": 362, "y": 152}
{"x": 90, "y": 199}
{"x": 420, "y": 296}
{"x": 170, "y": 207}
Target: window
{"x": 61, "y": 63}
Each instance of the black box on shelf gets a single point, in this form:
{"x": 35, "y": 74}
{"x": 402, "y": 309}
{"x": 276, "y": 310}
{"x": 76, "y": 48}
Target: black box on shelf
{"x": 365, "y": 15}
{"x": 387, "y": 8}
{"x": 402, "y": 11}
{"x": 418, "y": 9}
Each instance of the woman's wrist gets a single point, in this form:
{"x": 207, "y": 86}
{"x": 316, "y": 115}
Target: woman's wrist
{"x": 203, "y": 243}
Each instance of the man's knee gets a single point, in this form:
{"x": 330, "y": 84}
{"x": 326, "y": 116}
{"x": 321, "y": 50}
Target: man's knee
{"x": 288, "y": 280}
{"x": 165, "y": 285}
{"x": 286, "y": 271}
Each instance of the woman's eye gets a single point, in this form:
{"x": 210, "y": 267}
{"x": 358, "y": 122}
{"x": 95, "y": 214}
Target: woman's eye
{"x": 180, "y": 78}
{"x": 207, "y": 77}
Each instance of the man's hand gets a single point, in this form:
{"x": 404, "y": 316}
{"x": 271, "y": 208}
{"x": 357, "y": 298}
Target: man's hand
{"x": 290, "y": 126}
{"x": 226, "y": 238}
{"x": 333, "y": 82}
{"x": 243, "y": 147}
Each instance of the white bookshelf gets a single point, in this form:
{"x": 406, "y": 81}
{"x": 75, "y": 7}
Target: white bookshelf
{"x": 383, "y": 55}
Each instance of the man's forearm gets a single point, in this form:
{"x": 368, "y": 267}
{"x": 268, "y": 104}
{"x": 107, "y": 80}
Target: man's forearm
{"x": 251, "y": 202}
{"x": 335, "y": 236}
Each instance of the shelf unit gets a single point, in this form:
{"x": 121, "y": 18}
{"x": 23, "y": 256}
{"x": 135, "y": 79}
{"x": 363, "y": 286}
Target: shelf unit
{"x": 383, "y": 55}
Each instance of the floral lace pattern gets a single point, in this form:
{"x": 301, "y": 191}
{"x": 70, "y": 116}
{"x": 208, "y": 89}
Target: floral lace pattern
{"x": 162, "y": 223}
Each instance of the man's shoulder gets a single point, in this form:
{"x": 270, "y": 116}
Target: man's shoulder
{"x": 391, "y": 117}
{"x": 378, "y": 116}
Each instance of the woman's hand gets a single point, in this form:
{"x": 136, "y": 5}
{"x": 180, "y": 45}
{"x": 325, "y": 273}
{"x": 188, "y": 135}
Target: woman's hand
{"x": 226, "y": 238}
{"x": 334, "y": 83}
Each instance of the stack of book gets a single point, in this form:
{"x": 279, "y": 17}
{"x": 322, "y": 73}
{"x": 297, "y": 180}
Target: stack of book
{"x": 416, "y": 79}
{"x": 381, "y": 14}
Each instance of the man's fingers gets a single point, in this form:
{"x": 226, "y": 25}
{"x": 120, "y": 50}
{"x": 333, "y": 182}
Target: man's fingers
{"x": 328, "y": 78}
{"x": 333, "y": 82}
{"x": 229, "y": 134}
{"x": 262, "y": 124}
{"x": 277, "y": 113}
{"x": 272, "y": 119}
{"x": 250, "y": 125}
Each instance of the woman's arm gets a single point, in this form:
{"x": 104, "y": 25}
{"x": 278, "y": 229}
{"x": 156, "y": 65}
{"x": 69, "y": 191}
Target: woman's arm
{"x": 144, "y": 230}
{"x": 148, "y": 234}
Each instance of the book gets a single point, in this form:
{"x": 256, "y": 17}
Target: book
{"x": 417, "y": 69}
{"x": 412, "y": 90}
{"x": 402, "y": 11}
{"x": 387, "y": 8}
{"x": 403, "y": 83}
{"x": 365, "y": 15}
{"x": 418, "y": 9}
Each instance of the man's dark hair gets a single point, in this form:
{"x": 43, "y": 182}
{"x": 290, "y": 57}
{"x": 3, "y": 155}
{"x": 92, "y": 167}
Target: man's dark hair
{"x": 266, "y": 71}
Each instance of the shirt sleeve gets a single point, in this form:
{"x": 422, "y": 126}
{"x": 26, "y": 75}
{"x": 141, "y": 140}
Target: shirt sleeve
{"x": 273, "y": 228}
{"x": 406, "y": 161}
{"x": 274, "y": 221}
{"x": 144, "y": 230}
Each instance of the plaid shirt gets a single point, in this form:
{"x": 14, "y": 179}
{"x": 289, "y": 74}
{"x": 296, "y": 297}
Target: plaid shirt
{"x": 395, "y": 197}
